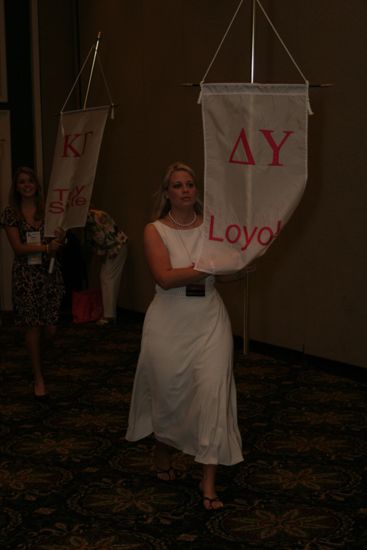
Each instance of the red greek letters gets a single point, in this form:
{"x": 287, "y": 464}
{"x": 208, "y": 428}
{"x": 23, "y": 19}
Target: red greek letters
{"x": 233, "y": 234}
{"x": 275, "y": 147}
{"x": 75, "y": 144}
{"x": 242, "y": 138}
{"x": 245, "y": 155}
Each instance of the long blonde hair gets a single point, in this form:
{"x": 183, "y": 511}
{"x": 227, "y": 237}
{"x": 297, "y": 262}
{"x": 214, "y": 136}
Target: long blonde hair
{"x": 15, "y": 198}
{"x": 162, "y": 203}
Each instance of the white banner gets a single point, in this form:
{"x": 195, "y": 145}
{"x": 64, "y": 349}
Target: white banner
{"x": 74, "y": 166}
{"x": 255, "y": 141}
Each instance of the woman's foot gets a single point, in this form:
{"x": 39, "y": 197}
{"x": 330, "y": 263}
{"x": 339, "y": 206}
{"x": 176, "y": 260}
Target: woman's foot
{"x": 210, "y": 499}
{"x": 162, "y": 461}
{"x": 166, "y": 475}
{"x": 212, "y": 503}
{"x": 39, "y": 389}
{"x": 104, "y": 321}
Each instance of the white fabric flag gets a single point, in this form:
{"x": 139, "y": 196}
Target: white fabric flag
{"x": 74, "y": 166}
{"x": 255, "y": 141}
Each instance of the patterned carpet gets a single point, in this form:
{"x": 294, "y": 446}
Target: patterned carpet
{"x": 69, "y": 480}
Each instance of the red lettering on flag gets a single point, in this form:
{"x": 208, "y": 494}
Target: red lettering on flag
{"x": 270, "y": 237}
{"x": 211, "y": 235}
{"x": 237, "y": 233}
{"x": 248, "y": 238}
{"x": 72, "y": 148}
{"x": 242, "y": 138}
{"x": 275, "y": 147}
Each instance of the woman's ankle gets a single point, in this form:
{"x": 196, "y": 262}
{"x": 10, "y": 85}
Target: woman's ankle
{"x": 162, "y": 456}
{"x": 207, "y": 484}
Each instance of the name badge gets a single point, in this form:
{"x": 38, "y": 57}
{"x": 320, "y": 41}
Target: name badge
{"x": 35, "y": 258}
{"x": 195, "y": 289}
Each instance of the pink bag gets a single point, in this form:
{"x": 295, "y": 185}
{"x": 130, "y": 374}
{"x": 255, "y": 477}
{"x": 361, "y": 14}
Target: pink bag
{"x": 86, "y": 305}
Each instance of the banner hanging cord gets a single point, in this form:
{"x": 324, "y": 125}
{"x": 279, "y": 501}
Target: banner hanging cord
{"x": 288, "y": 52}
{"x": 277, "y": 35}
{"x": 219, "y": 47}
{"x": 77, "y": 78}
{"x": 104, "y": 81}
{"x": 281, "y": 41}
{"x": 107, "y": 87}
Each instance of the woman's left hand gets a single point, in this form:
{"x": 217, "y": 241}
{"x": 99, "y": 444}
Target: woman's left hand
{"x": 60, "y": 234}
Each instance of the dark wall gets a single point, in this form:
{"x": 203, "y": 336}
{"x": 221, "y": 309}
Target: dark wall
{"x": 20, "y": 100}
{"x": 308, "y": 292}
{"x": 59, "y": 66}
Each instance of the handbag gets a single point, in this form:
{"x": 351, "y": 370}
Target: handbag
{"x": 86, "y": 305}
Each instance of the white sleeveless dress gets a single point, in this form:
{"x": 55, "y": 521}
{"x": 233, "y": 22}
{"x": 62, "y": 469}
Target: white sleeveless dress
{"x": 184, "y": 390}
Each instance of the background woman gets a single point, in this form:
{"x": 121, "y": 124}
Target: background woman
{"x": 184, "y": 389}
{"x": 109, "y": 243}
{"x": 36, "y": 294}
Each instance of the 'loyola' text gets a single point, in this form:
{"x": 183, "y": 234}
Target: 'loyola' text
{"x": 234, "y": 233}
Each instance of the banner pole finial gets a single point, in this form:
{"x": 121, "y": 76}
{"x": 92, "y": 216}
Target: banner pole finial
{"x": 99, "y": 36}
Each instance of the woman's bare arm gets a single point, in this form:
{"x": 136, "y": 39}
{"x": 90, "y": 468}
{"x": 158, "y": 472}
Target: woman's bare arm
{"x": 160, "y": 265}
{"x": 21, "y": 249}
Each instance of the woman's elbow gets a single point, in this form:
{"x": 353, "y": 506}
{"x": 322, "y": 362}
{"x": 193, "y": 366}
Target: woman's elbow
{"x": 164, "y": 283}
{"x": 19, "y": 251}
{"x": 164, "y": 280}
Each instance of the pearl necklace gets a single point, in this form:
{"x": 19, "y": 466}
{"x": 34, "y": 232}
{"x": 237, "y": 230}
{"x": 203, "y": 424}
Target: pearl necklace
{"x": 182, "y": 224}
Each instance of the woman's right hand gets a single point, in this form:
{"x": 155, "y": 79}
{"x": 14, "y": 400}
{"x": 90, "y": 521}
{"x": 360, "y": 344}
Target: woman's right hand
{"x": 54, "y": 246}
{"x": 160, "y": 266}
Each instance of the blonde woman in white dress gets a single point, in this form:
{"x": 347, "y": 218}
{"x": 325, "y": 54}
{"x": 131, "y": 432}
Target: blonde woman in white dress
{"x": 184, "y": 389}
